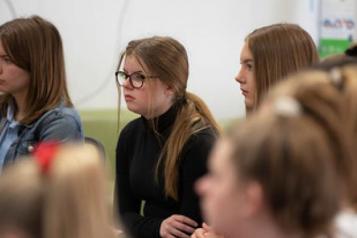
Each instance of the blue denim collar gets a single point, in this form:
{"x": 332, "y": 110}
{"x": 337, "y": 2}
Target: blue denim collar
{"x": 11, "y": 117}
{"x": 10, "y": 113}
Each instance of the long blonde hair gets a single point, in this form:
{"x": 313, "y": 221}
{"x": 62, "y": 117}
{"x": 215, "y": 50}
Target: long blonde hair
{"x": 67, "y": 201}
{"x": 167, "y": 58}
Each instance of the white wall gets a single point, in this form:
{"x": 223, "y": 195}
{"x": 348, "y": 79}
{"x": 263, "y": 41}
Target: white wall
{"x": 94, "y": 32}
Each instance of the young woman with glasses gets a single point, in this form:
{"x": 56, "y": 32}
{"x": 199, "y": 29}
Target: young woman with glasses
{"x": 160, "y": 155}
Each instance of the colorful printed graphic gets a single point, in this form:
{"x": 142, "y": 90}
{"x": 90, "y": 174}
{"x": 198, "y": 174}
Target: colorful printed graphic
{"x": 337, "y": 26}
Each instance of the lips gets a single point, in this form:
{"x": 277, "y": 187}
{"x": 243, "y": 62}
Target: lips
{"x": 128, "y": 97}
{"x": 244, "y": 92}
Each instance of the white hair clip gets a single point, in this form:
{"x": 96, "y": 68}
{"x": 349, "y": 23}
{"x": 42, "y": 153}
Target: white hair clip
{"x": 336, "y": 76}
{"x": 287, "y": 106}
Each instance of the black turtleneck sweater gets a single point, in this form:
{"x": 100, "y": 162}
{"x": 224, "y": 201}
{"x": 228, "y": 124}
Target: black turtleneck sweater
{"x": 137, "y": 154}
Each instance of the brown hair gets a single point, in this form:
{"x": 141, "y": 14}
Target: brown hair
{"x": 323, "y": 101}
{"x": 68, "y": 201}
{"x": 279, "y": 50}
{"x": 35, "y": 45}
{"x": 292, "y": 155}
{"x": 349, "y": 74}
{"x": 346, "y": 72}
{"x": 167, "y": 58}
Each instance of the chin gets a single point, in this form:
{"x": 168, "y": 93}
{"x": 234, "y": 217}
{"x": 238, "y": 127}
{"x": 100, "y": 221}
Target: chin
{"x": 132, "y": 109}
{"x": 248, "y": 103}
{"x": 249, "y": 107}
{"x": 136, "y": 110}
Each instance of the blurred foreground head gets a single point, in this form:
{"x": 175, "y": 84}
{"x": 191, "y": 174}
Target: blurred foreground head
{"x": 289, "y": 167}
{"x": 59, "y": 192}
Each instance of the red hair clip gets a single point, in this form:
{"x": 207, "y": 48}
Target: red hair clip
{"x": 44, "y": 154}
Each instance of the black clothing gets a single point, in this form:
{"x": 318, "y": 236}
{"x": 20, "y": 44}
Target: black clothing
{"x": 137, "y": 154}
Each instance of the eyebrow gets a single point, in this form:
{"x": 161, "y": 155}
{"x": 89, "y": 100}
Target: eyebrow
{"x": 3, "y": 56}
{"x": 138, "y": 71}
{"x": 247, "y": 61}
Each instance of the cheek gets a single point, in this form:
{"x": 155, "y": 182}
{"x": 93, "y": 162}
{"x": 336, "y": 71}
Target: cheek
{"x": 251, "y": 81}
{"x": 228, "y": 220}
{"x": 206, "y": 188}
{"x": 19, "y": 74}
{"x": 159, "y": 97}
{"x": 144, "y": 97}
{"x": 18, "y": 78}
{"x": 214, "y": 196}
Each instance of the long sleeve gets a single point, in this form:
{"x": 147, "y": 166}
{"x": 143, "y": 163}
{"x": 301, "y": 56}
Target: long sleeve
{"x": 194, "y": 166}
{"x": 61, "y": 124}
{"x": 137, "y": 155}
{"x": 128, "y": 204}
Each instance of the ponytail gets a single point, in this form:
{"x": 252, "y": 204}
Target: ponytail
{"x": 192, "y": 117}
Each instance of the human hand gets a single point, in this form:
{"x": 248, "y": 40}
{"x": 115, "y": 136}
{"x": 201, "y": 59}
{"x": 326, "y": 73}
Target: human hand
{"x": 117, "y": 232}
{"x": 205, "y": 232}
{"x": 177, "y": 226}
{"x": 199, "y": 233}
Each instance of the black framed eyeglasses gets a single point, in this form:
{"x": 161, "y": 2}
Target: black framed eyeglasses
{"x": 136, "y": 79}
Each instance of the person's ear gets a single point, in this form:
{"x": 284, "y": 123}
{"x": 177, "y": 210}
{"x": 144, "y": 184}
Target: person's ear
{"x": 254, "y": 199}
{"x": 169, "y": 91}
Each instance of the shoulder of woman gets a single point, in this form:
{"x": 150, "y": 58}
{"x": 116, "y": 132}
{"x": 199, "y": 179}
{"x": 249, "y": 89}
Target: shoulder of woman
{"x": 207, "y": 135}
{"x": 63, "y": 114}
{"x": 131, "y": 128}
{"x": 200, "y": 142}
{"x": 58, "y": 122}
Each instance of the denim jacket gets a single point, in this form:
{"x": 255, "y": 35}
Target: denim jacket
{"x": 59, "y": 124}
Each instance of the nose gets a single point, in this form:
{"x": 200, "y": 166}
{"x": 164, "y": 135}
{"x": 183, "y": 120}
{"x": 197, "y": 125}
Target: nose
{"x": 201, "y": 186}
{"x": 240, "y": 77}
{"x": 127, "y": 84}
